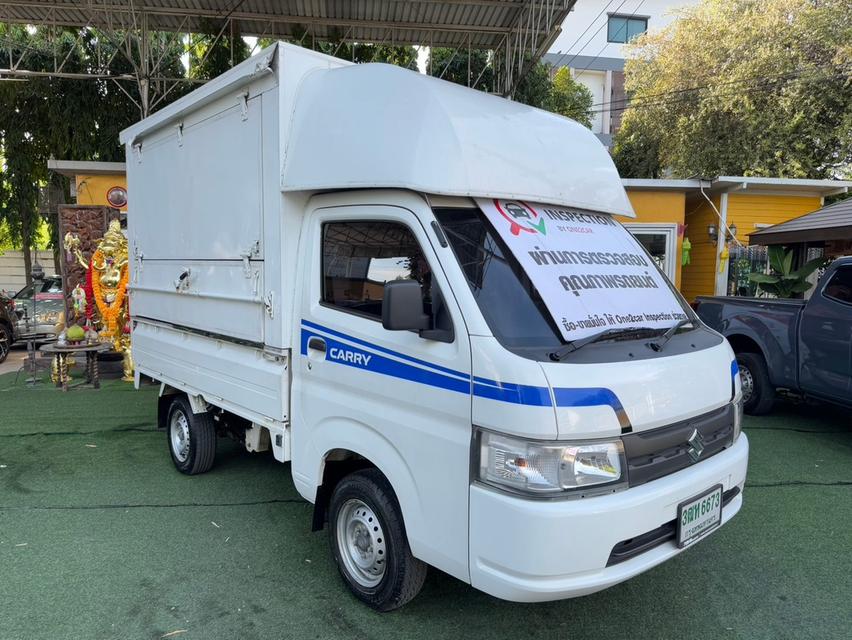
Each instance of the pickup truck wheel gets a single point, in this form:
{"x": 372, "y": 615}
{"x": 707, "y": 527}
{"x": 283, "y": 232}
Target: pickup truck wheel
{"x": 369, "y": 544}
{"x": 5, "y": 341}
{"x": 192, "y": 438}
{"x": 758, "y": 392}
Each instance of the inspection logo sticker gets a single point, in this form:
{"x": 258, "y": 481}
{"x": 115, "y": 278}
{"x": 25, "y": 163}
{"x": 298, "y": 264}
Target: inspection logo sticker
{"x": 521, "y": 217}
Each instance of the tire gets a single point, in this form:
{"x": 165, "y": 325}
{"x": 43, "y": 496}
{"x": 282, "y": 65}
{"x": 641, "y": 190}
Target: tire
{"x": 191, "y": 438}
{"x": 5, "y": 341}
{"x": 754, "y": 374}
{"x": 369, "y": 544}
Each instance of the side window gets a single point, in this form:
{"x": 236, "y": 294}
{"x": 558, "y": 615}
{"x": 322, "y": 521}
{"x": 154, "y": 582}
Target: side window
{"x": 840, "y": 286}
{"x": 358, "y": 258}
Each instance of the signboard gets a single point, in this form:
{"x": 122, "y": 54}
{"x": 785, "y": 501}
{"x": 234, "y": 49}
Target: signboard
{"x": 591, "y": 273}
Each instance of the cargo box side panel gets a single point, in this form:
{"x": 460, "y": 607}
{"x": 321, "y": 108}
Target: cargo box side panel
{"x": 220, "y": 297}
{"x": 235, "y": 377}
{"x": 197, "y": 185}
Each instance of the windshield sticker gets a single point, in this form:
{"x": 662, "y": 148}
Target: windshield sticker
{"x": 590, "y": 271}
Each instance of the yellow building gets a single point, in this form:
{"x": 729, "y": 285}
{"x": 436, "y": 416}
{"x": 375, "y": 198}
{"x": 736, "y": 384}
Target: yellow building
{"x": 95, "y": 183}
{"x": 667, "y": 211}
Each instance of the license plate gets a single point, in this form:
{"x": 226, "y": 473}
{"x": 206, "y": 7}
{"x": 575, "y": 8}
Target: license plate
{"x": 698, "y": 516}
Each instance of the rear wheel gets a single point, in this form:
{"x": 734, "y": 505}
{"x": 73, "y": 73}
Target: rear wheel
{"x": 758, "y": 392}
{"x": 191, "y": 436}
{"x": 369, "y": 543}
{"x": 5, "y": 341}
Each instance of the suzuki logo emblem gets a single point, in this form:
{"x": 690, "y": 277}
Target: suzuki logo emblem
{"x": 696, "y": 445}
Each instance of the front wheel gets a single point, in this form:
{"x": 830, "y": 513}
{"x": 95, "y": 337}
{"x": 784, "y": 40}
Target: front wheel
{"x": 191, "y": 436}
{"x": 758, "y": 392}
{"x": 369, "y": 543}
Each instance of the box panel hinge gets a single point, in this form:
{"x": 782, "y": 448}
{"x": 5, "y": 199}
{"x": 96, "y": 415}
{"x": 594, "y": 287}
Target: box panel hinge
{"x": 252, "y": 252}
{"x": 243, "y": 102}
{"x": 268, "y": 303}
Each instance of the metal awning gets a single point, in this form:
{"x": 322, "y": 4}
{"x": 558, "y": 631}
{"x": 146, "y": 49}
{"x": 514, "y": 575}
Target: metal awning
{"x": 517, "y": 31}
{"x": 833, "y": 222}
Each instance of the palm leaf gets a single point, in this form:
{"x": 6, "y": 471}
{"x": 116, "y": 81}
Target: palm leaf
{"x": 809, "y": 267}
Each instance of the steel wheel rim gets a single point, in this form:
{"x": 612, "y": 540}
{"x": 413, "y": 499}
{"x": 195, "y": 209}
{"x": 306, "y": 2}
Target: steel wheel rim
{"x": 4, "y": 344}
{"x": 747, "y": 381}
{"x": 179, "y": 435}
{"x": 361, "y": 543}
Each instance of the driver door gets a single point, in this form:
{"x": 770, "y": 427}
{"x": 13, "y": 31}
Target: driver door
{"x": 397, "y": 399}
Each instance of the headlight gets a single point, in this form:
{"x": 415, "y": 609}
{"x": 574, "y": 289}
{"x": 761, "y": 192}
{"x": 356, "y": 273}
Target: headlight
{"x": 738, "y": 416}
{"x": 550, "y": 468}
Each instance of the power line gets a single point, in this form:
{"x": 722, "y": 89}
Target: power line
{"x": 638, "y": 6}
{"x": 748, "y": 79}
{"x": 605, "y": 23}
{"x": 756, "y": 89}
{"x": 573, "y": 44}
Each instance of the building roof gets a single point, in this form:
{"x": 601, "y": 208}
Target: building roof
{"x": 73, "y": 168}
{"x": 743, "y": 184}
{"x": 833, "y": 222}
{"x": 447, "y": 23}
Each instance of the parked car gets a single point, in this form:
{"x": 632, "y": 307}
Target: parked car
{"x": 8, "y": 321}
{"x": 797, "y": 345}
{"x": 441, "y": 325}
{"x": 38, "y": 307}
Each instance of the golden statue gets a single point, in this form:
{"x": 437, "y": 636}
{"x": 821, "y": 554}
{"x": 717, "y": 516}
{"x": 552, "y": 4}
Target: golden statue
{"x": 106, "y": 287}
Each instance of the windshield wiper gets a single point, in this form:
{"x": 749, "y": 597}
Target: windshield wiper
{"x": 659, "y": 344}
{"x": 571, "y": 347}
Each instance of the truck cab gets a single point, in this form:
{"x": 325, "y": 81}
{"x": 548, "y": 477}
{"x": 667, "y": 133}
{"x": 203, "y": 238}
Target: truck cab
{"x": 420, "y": 297}
{"x": 801, "y": 346}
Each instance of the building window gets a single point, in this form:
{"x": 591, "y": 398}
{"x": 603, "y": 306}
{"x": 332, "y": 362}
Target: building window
{"x": 360, "y": 257}
{"x": 624, "y": 28}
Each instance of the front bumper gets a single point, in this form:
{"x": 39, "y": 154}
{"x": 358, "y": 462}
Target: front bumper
{"x": 537, "y": 550}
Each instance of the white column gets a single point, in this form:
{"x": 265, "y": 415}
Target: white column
{"x": 722, "y": 278}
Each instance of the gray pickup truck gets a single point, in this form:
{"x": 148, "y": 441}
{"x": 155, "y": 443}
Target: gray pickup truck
{"x": 804, "y": 346}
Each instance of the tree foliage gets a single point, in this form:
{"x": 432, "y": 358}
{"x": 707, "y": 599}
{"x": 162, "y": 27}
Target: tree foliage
{"x": 539, "y": 87}
{"x": 42, "y": 118}
{"x": 570, "y": 98}
{"x": 741, "y": 87}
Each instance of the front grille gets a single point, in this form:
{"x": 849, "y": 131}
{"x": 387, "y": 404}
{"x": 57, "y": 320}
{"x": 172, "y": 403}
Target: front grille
{"x": 660, "y": 452}
{"x": 632, "y": 547}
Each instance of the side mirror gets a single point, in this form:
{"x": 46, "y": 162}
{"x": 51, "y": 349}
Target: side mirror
{"x": 402, "y": 307}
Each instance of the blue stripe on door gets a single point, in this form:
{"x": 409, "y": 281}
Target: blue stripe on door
{"x": 444, "y": 378}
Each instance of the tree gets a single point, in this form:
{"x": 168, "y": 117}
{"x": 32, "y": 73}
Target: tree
{"x": 558, "y": 92}
{"x": 570, "y": 98}
{"x": 45, "y": 117}
{"x": 215, "y": 50}
{"x": 741, "y": 87}
{"x": 454, "y": 65}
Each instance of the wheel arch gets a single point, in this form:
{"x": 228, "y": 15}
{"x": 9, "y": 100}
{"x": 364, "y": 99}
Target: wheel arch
{"x": 362, "y": 447}
{"x": 740, "y": 342}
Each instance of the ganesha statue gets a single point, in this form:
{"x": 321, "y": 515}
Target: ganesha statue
{"x": 106, "y": 307}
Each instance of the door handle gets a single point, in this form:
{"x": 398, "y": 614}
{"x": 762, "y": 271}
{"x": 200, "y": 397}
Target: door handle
{"x": 316, "y": 343}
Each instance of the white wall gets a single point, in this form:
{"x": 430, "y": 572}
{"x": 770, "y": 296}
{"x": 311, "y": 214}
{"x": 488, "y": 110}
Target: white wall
{"x": 593, "y": 42}
{"x": 595, "y": 81}
{"x": 12, "y": 276}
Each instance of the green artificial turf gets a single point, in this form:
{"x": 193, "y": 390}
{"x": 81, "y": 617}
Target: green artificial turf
{"x": 100, "y": 537}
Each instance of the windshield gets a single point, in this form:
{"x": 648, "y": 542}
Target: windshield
{"x": 512, "y": 305}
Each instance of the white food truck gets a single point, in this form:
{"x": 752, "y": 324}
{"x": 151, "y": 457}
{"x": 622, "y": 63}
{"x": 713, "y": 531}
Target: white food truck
{"x": 417, "y": 295}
